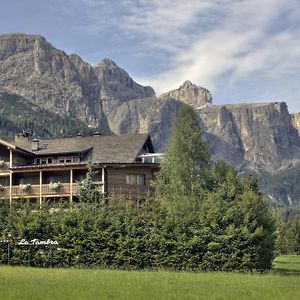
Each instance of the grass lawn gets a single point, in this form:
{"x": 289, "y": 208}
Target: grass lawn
{"x": 29, "y": 283}
{"x": 287, "y": 264}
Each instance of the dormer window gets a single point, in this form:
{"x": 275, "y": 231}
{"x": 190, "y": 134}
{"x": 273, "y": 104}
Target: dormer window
{"x": 68, "y": 159}
{"x": 43, "y": 161}
{"x": 61, "y": 160}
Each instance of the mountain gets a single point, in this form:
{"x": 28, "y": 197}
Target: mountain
{"x": 117, "y": 87}
{"x": 190, "y": 94}
{"x": 17, "y": 114}
{"x": 296, "y": 121}
{"x": 262, "y": 138}
{"x": 153, "y": 115}
{"x": 65, "y": 84}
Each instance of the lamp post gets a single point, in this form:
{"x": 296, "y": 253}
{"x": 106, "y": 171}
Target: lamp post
{"x": 7, "y": 241}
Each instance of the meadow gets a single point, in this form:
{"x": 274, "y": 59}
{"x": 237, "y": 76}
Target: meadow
{"x": 283, "y": 282}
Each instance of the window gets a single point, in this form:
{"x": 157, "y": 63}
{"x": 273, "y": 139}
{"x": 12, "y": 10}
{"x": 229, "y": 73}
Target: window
{"x": 135, "y": 179}
{"x": 68, "y": 159}
{"x": 140, "y": 179}
{"x": 61, "y": 160}
{"x": 43, "y": 161}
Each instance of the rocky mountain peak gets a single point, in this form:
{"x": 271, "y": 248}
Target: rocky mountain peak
{"x": 20, "y": 43}
{"x": 296, "y": 121}
{"x": 107, "y": 62}
{"x": 117, "y": 86}
{"x": 31, "y": 67}
{"x": 191, "y": 94}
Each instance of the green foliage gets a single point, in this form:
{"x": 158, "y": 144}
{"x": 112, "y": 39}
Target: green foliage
{"x": 182, "y": 170}
{"x": 88, "y": 191}
{"x": 241, "y": 229}
{"x": 230, "y": 230}
{"x": 228, "y": 212}
{"x": 288, "y": 232}
{"x": 17, "y": 114}
{"x": 205, "y": 217}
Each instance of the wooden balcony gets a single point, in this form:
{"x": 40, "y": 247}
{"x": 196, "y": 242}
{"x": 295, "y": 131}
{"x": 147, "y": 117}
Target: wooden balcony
{"x": 4, "y": 167}
{"x": 37, "y": 191}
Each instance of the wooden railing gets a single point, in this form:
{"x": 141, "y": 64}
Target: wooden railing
{"x": 4, "y": 167}
{"x": 45, "y": 190}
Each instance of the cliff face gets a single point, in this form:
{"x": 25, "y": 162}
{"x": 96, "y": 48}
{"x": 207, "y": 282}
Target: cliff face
{"x": 296, "y": 121}
{"x": 259, "y": 136}
{"x": 191, "y": 94}
{"x": 117, "y": 87}
{"x": 34, "y": 69}
{"x": 65, "y": 84}
{"x": 256, "y": 136}
{"x": 153, "y": 115}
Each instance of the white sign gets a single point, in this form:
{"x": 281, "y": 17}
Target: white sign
{"x": 37, "y": 242}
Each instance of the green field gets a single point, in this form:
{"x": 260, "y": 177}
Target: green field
{"x": 29, "y": 283}
{"x": 288, "y": 264}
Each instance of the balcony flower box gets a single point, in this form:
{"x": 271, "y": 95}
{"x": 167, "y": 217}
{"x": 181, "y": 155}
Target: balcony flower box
{"x": 55, "y": 186}
{"x": 25, "y": 187}
{"x": 2, "y": 163}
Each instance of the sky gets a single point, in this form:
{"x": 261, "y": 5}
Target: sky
{"x": 242, "y": 51}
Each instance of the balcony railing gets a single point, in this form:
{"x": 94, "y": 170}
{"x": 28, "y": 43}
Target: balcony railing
{"x": 35, "y": 191}
{"x": 4, "y": 167}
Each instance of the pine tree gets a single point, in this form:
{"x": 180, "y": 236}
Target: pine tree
{"x": 181, "y": 177}
{"x": 88, "y": 191}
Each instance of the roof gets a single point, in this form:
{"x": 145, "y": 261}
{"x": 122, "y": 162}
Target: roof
{"x": 103, "y": 148}
{"x": 14, "y": 147}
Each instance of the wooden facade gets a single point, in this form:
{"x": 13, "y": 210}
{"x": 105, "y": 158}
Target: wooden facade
{"x": 52, "y": 173}
{"x": 117, "y": 180}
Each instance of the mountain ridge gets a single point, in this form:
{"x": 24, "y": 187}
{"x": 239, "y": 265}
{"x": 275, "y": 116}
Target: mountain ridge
{"x": 263, "y": 137}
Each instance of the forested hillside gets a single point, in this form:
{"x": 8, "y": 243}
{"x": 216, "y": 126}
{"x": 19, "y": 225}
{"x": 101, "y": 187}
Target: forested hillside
{"x": 282, "y": 186}
{"x": 17, "y": 114}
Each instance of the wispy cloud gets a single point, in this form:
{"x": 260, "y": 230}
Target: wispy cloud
{"x": 236, "y": 38}
{"x": 213, "y": 43}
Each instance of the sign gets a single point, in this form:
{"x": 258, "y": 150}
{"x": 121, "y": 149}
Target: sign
{"x": 37, "y": 242}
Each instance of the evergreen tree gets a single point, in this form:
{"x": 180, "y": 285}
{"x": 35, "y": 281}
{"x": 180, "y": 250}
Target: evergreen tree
{"x": 88, "y": 191}
{"x": 181, "y": 177}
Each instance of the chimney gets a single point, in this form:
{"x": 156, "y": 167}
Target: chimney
{"x": 23, "y": 138}
{"x": 35, "y": 145}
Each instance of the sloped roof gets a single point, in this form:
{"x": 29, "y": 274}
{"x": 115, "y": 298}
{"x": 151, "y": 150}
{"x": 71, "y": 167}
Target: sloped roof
{"x": 103, "y": 148}
{"x": 15, "y": 147}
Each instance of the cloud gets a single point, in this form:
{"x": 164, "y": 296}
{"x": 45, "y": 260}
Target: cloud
{"x": 236, "y": 38}
{"x": 215, "y": 43}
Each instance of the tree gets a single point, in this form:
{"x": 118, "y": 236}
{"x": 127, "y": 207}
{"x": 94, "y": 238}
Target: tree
{"x": 241, "y": 229}
{"x": 88, "y": 191}
{"x": 181, "y": 176}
